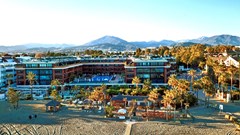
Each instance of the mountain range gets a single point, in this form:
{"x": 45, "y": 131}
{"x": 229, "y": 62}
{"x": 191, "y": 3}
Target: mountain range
{"x": 111, "y": 43}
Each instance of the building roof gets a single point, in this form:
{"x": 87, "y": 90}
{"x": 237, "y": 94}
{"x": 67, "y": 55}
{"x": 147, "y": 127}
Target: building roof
{"x": 129, "y": 98}
{"x": 53, "y": 103}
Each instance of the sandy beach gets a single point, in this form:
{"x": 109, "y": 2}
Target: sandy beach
{"x": 72, "y": 121}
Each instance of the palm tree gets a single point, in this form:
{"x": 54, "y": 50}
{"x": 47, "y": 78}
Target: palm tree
{"x": 146, "y": 106}
{"x": 13, "y": 97}
{"x": 55, "y": 94}
{"x": 172, "y": 80}
{"x": 104, "y": 88}
{"x": 218, "y": 69}
{"x": 97, "y": 95}
{"x": 168, "y": 99}
{"x": 55, "y": 83}
{"x": 31, "y": 79}
{"x": 147, "y": 84}
{"x": 131, "y": 109}
{"x": 153, "y": 96}
{"x": 207, "y": 86}
{"x": 231, "y": 71}
{"x": 136, "y": 81}
{"x": 222, "y": 80}
{"x": 183, "y": 86}
{"x": 239, "y": 77}
{"x": 75, "y": 88}
{"x": 9, "y": 77}
{"x": 197, "y": 86}
{"x": 125, "y": 102}
{"x": 192, "y": 73}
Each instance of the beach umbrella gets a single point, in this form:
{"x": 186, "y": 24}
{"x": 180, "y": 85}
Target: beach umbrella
{"x": 122, "y": 111}
{"x": 87, "y": 101}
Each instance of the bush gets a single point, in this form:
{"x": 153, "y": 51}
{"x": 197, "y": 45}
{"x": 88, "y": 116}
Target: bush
{"x": 28, "y": 97}
{"x": 109, "y": 110}
{"x": 46, "y": 98}
{"x": 191, "y": 99}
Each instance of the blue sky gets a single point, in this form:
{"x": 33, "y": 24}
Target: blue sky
{"x": 80, "y": 21}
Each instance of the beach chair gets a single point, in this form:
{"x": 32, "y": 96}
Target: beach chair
{"x": 99, "y": 109}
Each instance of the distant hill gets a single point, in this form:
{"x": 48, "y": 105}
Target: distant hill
{"x": 144, "y": 44}
{"x": 12, "y": 48}
{"x": 107, "y": 39}
{"x": 111, "y": 43}
{"x": 218, "y": 40}
{"x": 107, "y": 43}
{"x": 38, "y": 45}
{"x": 34, "y": 47}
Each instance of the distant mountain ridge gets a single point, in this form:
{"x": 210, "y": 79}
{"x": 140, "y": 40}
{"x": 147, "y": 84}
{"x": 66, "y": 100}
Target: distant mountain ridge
{"x": 34, "y": 47}
{"x": 111, "y": 43}
{"x": 221, "y": 39}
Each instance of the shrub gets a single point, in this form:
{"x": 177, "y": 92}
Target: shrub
{"x": 191, "y": 99}
{"x": 109, "y": 110}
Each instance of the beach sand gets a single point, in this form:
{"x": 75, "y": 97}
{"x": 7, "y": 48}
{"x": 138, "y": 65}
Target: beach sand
{"x": 72, "y": 121}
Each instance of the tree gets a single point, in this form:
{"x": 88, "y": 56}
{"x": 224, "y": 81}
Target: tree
{"x": 31, "y": 79}
{"x": 172, "y": 81}
{"x": 208, "y": 87}
{"x": 13, "y": 97}
{"x": 222, "y": 81}
{"x": 82, "y": 94}
{"x": 192, "y": 73}
{"x": 218, "y": 70}
{"x": 239, "y": 76}
{"x": 168, "y": 99}
{"x": 135, "y": 91}
{"x": 138, "y": 52}
{"x": 55, "y": 83}
{"x": 55, "y": 95}
{"x": 201, "y": 65}
{"x": 147, "y": 84}
{"x": 182, "y": 88}
{"x": 231, "y": 71}
{"x": 132, "y": 108}
{"x": 97, "y": 95}
{"x": 153, "y": 97}
{"x": 75, "y": 88}
{"x": 136, "y": 81}
{"x": 9, "y": 77}
{"x": 39, "y": 55}
{"x": 146, "y": 106}
{"x": 125, "y": 102}
{"x": 103, "y": 89}
{"x": 185, "y": 57}
{"x": 197, "y": 86}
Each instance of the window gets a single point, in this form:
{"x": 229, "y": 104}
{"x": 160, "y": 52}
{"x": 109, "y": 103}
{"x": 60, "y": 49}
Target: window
{"x": 43, "y": 65}
{"x": 45, "y": 71}
{"x": 49, "y": 65}
{"x": 34, "y": 71}
{"x": 31, "y": 65}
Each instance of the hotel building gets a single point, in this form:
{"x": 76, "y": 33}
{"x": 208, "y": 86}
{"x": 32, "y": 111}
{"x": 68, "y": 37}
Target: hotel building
{"x": 7, "y": 71}
{"x": 68, "y": 70}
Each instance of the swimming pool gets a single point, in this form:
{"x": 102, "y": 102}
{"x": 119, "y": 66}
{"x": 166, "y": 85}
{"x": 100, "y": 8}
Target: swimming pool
{"x": 102, "y": 78}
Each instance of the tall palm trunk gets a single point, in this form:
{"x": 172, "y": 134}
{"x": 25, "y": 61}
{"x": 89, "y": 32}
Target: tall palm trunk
{"x": 239, "y": 81}
{"x": 231, "y": 89}
{"x": 197, "y": 96}
{"x": 31, "y": 92}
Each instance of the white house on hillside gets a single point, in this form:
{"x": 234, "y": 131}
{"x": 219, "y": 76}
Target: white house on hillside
{"x": 231, "y": 61}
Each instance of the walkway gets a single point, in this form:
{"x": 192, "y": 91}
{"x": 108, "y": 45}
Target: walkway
{"x": 128, "y": 129}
